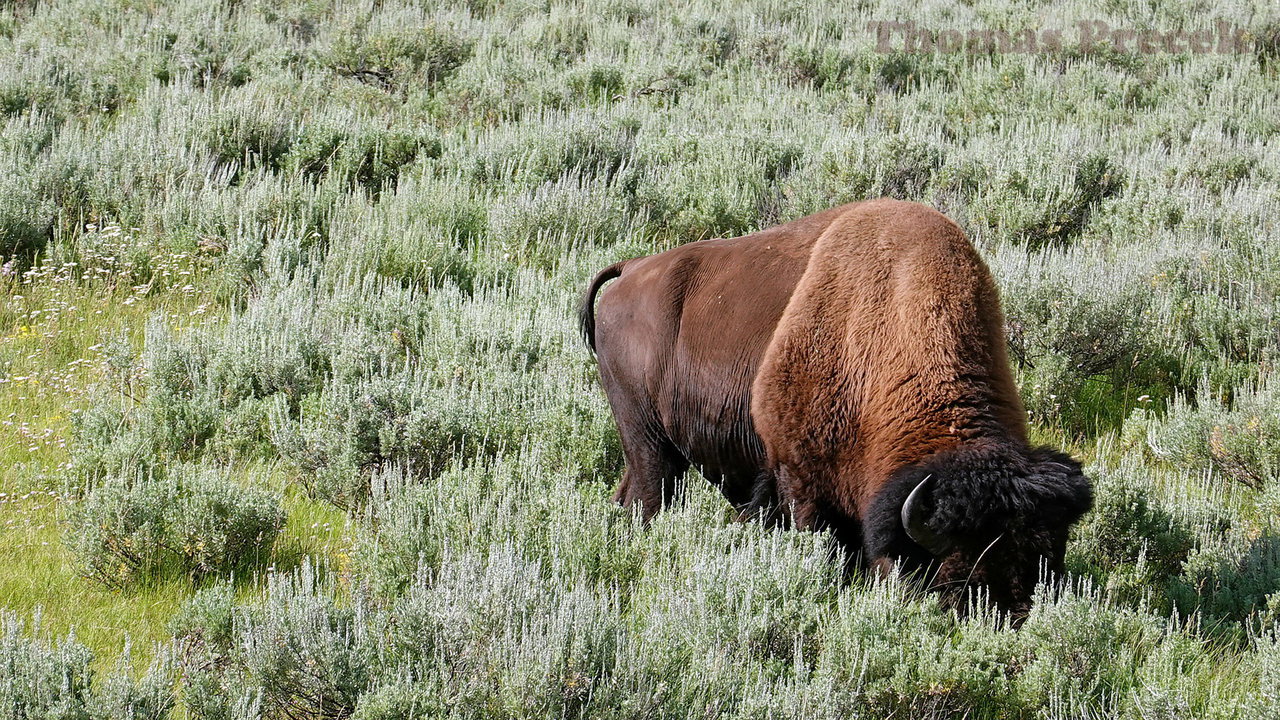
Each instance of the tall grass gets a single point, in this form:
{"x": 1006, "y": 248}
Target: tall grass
{"x": 286, "y": 328}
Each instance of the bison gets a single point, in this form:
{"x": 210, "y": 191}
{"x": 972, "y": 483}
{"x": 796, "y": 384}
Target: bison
{"x": 845, "y": 371}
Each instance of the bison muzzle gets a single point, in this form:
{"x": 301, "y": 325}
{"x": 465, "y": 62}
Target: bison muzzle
{"x": 846, "y": 371}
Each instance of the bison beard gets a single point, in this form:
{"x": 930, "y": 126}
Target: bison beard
{"x": 846, "y": 371}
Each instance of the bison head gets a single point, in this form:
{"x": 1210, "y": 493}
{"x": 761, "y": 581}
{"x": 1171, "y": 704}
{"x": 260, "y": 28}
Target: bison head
{"x": 991, "y": 519}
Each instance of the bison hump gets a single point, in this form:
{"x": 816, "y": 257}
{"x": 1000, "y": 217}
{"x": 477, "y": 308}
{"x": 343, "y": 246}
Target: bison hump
{"x": 891, "y": 347}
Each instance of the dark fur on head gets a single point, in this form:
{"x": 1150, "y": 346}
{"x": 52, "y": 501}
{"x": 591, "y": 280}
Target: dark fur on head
{"x": 1005, "y": 512}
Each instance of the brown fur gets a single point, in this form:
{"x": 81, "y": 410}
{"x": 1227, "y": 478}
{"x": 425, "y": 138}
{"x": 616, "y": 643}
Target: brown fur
{"x": 679, "y": 337}
{"x": 818, "y": 371}
{"x": 890, "y": 350}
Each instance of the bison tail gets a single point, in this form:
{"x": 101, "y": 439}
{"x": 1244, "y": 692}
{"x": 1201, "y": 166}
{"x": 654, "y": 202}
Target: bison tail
{"x": 587, "y": 313}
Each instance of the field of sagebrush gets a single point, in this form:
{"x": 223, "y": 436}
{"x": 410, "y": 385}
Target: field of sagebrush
{"x": 295, "y": 421}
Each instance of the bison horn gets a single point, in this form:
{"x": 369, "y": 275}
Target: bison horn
{"x": 913, "y": 522}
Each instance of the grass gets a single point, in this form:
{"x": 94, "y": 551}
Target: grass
{"x": 331, "y": 250}
{"x": 55, "y": 351}
{"x": 41, "y": 578}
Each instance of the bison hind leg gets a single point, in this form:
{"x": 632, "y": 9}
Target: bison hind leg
{"x": 654, "y": 464}
{"x": 756, "y": 500}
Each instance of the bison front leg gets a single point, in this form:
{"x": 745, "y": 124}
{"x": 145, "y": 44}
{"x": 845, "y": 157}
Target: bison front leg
{"x": 798, "y": 505}
{"x": 653, "y": 467}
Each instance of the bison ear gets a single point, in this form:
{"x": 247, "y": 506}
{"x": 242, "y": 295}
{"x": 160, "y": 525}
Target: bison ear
{"x": 914, "y": 519}
{"x": 1062, "y": 482}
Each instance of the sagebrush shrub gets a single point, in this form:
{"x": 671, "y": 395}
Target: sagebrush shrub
{"x": 24, "y": 228}
{"x": 1231, "y": 578}
{"x": 257, "y": 139}
{"x": 1130, "y": 525}
{"x": 501, "y": 630}
{"x": 1080, "y": 652}
{"x": 305, "y": 656}
{"x": 44, "y": 677}
{"x": 396, "y": 57}
{"x": 1268, "y": 646}
{"x": 363, "y": 230}
{"x": 1086, "y": 341}
{"x": 413, "y": 524}
{"x": 539, "y": 228}
{"x": 694, "y": 187}
{"x": 39, "y": 679}
{"x": 589, "y": 145}
{"x": 1147, "y": 543}
{"x": 189, "y": 519}
{"x": 1096, "y": 179}
{"x": 1237, "y": 435}
{"x": 858, "y": 164}
{"x": 372, "y": 159}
